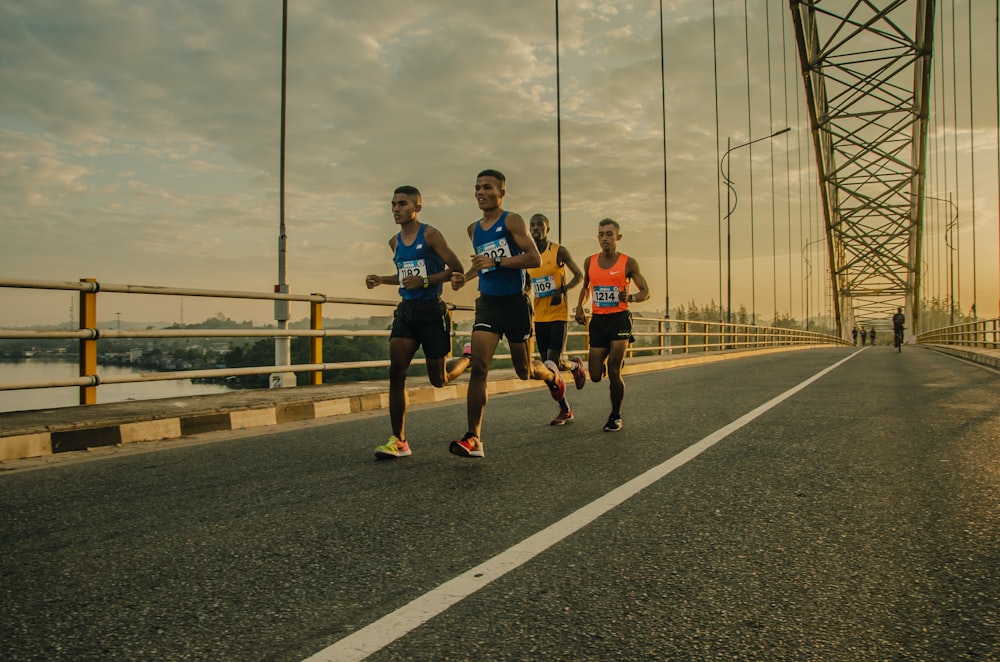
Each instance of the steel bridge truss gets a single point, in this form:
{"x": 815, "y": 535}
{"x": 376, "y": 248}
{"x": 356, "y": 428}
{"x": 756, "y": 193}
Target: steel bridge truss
{"x": 866, "y": 69}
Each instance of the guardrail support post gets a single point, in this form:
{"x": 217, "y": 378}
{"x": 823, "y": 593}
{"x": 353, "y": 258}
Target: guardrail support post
{"x": 88, "y": 346}
{"x": 316, "y": 343}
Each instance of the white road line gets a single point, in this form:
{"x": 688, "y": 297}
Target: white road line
{"x": 389, "y": 628}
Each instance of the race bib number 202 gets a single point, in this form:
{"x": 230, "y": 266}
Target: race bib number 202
{"x": 494, "y": 249}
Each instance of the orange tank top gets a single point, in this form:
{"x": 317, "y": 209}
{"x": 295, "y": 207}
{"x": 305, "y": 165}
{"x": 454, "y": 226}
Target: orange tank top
{"x": 605, "y": 284}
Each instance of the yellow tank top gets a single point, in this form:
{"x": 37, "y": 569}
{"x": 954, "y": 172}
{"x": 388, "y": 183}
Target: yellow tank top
{"x": 546, "y": 280}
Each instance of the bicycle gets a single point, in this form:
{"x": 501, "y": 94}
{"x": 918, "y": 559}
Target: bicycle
{"x": 898, "y": 340}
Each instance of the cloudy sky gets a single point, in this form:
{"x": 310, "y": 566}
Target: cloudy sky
{"x": 139, "y": 143}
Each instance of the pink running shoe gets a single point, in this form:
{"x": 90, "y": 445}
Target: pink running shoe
{"x": 467, "y": 446}
{"x": 564, "y": 417}
{"x": 579, "y": 378}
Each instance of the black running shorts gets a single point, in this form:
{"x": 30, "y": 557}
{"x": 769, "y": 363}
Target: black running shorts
{"x": 427, "y": 323}
{"x": 550, "y": 336}
{"x": 604, "y": 329}
{"x": 505, "y": 316}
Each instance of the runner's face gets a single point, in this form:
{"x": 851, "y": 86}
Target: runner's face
{"x": 404, "y": 208}
{"x": 488, "y": 193}
{"x": 537, "y": 228}
{"x": 608, "y": 237}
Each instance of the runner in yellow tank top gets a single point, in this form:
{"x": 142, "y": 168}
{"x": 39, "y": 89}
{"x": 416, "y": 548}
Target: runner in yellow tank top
{"x": 606, "y": 278}
{"x": 549, "y": 291}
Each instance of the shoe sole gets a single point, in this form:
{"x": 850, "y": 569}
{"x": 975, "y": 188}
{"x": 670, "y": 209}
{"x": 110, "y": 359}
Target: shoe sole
{"x": 459, "y": 450}
{"x": 382, "y": 455}
{"x": 561, "y": 421}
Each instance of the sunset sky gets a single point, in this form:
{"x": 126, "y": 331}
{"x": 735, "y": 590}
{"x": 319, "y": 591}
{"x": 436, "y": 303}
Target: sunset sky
{"x": 139, "y": 144}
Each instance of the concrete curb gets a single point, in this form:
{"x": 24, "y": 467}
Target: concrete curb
{"x": 40, "y": 433}
{"x": 988, "y": 357}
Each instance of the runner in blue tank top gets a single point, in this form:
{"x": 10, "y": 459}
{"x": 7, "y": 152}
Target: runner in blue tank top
{"x": 424, "y": 261}
{"x": 503, "y": 250}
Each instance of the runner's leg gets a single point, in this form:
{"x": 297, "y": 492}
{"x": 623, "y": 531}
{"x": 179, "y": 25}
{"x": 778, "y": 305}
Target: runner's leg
{"x": 401, "y": 351}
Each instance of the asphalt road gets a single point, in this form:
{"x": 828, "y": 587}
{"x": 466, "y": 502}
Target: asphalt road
{"x": 858, "y": 518}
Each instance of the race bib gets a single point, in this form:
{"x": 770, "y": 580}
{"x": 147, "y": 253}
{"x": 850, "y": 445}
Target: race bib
{"x": 494, "y": 249}
{"x": 605, "y": 296}
{"x": 544, "y": 286}
{"x": 411, "y": 268}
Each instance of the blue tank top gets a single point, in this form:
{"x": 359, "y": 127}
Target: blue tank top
{"x": 417, "y": 259}
{"x": 498, "y": 242}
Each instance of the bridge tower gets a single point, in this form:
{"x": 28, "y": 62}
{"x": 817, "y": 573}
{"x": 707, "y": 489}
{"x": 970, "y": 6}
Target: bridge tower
{"x": 866, "y": 71}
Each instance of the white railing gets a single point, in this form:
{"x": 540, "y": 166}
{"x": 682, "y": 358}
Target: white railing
{"x": 984, "y": 334}
{"x": 653, "y": 335}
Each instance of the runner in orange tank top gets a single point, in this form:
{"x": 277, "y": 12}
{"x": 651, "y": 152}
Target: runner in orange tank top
{"x": 606, "y": 279}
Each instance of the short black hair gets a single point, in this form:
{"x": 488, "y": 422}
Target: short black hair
{"x": 407, "y": 190}
{"x": 610, "y": 221}
{"x": 544, "y": 218}
{"x": 495, "y": 174}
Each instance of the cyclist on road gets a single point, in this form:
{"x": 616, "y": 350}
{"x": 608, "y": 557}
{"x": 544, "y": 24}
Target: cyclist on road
{"x": 898, "y": 321}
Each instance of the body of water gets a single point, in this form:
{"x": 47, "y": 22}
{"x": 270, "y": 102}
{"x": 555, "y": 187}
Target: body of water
{"x": 36, "y": 370}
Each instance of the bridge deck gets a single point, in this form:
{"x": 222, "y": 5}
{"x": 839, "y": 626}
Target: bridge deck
{"x": 44, "y": 432}
{"x": 834, "y": 504}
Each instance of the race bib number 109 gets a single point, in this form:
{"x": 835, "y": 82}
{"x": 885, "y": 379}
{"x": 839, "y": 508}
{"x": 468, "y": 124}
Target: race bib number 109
{"x": 543, "y": 286}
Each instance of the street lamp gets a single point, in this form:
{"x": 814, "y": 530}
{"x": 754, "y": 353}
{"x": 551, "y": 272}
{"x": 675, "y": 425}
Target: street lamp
{"x": 282, "y": 345}
{"x": 730, "y": 208}
{"x": 948, "y": 229}
{"x": 805, "y": 257}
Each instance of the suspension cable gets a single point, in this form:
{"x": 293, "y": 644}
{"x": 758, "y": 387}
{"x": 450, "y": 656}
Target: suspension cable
{"x": 718, "y": 155}
{"x": 972, "y": 167}
{"x": 753, "y": 250}
{"x": 770, "y": 128}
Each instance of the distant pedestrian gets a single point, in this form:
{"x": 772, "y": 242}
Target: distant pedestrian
{"x": 854, "y": 334}
{"x": 423, "y": 262}
{"x": 606, "y": 278}
{"x": 871, "y": 334}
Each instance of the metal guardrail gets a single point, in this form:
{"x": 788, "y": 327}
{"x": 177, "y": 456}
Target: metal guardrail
{"x": 984, "y": 334}
{"x": 656, "y": 335}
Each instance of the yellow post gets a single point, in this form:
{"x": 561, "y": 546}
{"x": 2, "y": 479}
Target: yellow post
{"x": 88, "y": 347}
{"x": 316, "y": 343}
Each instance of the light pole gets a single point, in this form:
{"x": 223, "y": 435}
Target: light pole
{"x": 731, "y": 201}
{"x": 809, "y": 270}
{"x": 948, "y": 229}
{"x": 282, "y": 345}
{"x": 805, "y": 257}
